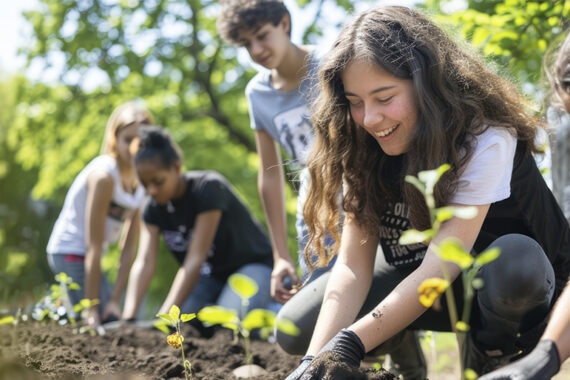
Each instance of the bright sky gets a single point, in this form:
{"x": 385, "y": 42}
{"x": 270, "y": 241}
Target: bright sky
{"x": 11, "y": 29}
{"x": 14, "y": 29}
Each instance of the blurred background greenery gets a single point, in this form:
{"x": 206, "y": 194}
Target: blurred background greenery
{"x": 85, "y": 57}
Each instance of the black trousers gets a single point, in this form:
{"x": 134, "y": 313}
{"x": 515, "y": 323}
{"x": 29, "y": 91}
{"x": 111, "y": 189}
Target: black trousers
{"x": 516, "y": 298}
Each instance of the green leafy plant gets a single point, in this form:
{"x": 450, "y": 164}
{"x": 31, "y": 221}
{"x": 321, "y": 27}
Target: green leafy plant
{"x": 450, "y": 249}
{"x": 261, "y": 319}
{"x": 174, "y": 318}
{"x": 57, "y": 306}
{"x": 7, "y": 319}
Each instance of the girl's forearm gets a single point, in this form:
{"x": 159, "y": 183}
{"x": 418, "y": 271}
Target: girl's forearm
{"x": 139, "y": 281}
{"x": 125, "y": 264}
{"x": 344, "y": 297}
{"x": 92, "y": 273}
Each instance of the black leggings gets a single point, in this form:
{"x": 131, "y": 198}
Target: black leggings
{"x": 516, "y": 297}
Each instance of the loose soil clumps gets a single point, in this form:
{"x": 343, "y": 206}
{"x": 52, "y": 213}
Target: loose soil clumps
{"x": 31, "y": 351}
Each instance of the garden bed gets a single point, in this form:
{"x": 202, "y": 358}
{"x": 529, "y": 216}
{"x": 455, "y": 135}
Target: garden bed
{"x": 50, "y": 351}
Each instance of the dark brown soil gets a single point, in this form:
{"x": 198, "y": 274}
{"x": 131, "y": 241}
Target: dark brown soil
{"x": 49, "y": 351}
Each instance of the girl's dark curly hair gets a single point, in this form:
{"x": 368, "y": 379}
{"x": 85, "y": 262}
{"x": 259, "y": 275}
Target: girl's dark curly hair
{"x": 458, "y": 97}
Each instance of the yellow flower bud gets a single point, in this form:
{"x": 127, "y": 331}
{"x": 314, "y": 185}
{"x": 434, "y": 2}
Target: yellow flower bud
{"x": 175, "y": 340}
{"x": 430, "y": 289}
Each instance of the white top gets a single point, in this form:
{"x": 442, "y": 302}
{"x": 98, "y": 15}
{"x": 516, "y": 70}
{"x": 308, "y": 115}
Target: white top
{"x": 68, "y": 235}
{"x": 485, "y": 179}
{"x": 487, "y": 175}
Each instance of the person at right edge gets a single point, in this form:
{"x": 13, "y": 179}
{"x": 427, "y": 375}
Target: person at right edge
{"x": 399, "y": 96}
{"x": 554, "y": 346}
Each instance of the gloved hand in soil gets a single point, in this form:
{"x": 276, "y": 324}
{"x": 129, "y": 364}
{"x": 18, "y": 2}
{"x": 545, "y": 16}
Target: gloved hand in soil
{"x": 296, "y": 374}
{"x": 331, "y": 366}
{"x": 348, "y": 350}
{"x": 541, "y": 363}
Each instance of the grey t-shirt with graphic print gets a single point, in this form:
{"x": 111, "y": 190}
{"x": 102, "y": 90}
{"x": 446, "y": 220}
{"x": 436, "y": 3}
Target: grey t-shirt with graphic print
{"x": 284, "y": 114}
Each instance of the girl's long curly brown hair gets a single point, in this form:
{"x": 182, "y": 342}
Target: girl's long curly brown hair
{"x": 457, "y": 97}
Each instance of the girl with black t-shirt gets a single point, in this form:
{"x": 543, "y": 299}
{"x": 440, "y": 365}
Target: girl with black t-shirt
{"x": 399, "y": 96}
{"x": 204, "y": 224}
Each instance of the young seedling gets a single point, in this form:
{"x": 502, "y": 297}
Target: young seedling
{"x": 175, "y": 339}
{"x": 449, "y": 249}
{"x": 264, "y": 320}
{"x": 57, "y": 304}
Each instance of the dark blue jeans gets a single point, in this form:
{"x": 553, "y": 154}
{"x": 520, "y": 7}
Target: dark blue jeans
{"x": 212, "y": 290}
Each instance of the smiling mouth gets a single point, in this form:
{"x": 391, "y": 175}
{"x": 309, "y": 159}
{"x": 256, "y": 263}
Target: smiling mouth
{"x": 262, "y": 60}
{"x": 386, "y": 132}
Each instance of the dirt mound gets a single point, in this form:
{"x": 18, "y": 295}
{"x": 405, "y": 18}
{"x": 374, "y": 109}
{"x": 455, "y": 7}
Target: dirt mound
{"x": 49, "y": 351}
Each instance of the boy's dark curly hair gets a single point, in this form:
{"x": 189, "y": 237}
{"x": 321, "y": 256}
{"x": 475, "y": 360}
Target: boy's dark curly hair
{"x": 239, "y": 15}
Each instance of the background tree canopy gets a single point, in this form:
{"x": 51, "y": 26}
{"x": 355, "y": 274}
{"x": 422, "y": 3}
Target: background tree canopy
{"x": 100, "y": 53}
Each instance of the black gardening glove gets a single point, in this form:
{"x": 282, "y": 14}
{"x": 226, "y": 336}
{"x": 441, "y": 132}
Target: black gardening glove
{"x": 541, "y": 363}
{"x": 347, "y": 347}
{"x": 296, "y": 374}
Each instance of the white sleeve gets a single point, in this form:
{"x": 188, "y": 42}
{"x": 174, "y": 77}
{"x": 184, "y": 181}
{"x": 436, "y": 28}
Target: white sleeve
{"x": 487, "y": 176}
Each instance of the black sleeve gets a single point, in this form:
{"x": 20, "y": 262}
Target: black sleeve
{"x": 213, "y": 195}
{"x": 150, "y": 212}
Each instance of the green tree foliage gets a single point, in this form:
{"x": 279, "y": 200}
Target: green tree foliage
{"x": 93, "y": 55}
{"x": 22, "y": 230}
{"x": 513, "y": 33}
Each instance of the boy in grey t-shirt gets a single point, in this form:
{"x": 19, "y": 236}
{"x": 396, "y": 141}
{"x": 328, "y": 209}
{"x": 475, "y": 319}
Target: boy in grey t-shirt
{"x": 278, "y": 111}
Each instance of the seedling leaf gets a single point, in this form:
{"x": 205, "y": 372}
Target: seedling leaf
{"x": 217, "y": 315}
{"x": 470, "y": 374}
{"x": 465, "y": 212}
{"x": 487, "y": 256}
{"x": 167, "y": 318}
{"x": 477, "y": 283}
{"x": 244, "y": 286}
{"x": 444, "y": 213}
{"x": 414, "y": 236}
{"x": 258, "y": 318}
{"x": 174, "y": 313}
{"x": 231, "y": 326}
{"x": 74, "y": 286}
{"x": 430, "y": 177}
{"x": 62, "y": 277}
{"x": 187, "y": 317}
{"x": 451, "y": 250}
{"x": 161, "y": 324}
{"x": 6, "y": 320}
{"x": 287, "y": 327}
{"x": 462, "y": 326}
{"x": 416, "y": 182}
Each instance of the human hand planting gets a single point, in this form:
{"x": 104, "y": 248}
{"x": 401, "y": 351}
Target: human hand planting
{"x": 282, "y": 279}
{"x": 112, "y": 312}
{"x": 347, "y": 349}
{"x": 542, "y": 363}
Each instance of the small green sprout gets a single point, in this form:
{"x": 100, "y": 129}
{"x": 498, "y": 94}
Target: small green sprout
{"x": 57, "y": 305}
{"x": 8, "y": 319}
{"x": 261, "y": 319}
{"x": 451, "y": 250}
{"x": 175, "y": 340}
